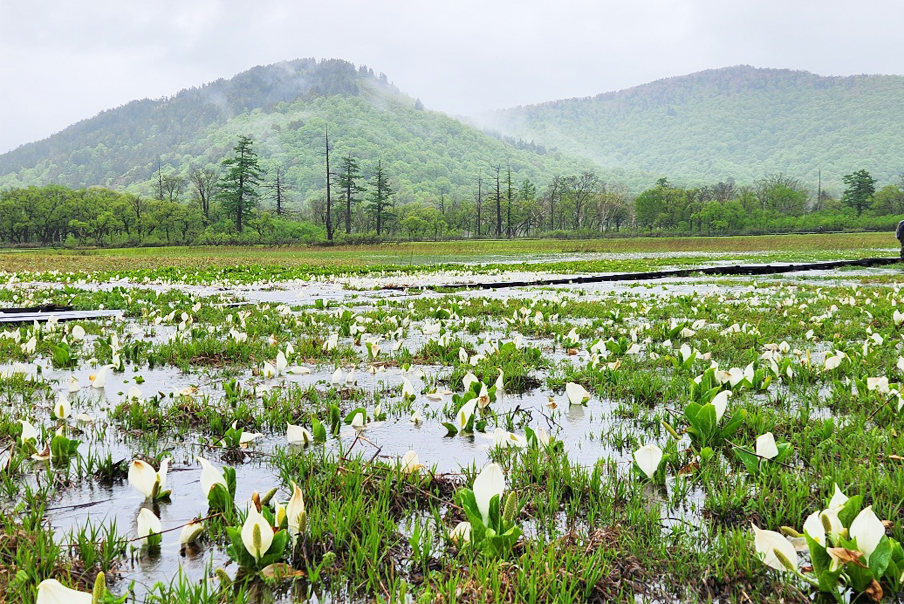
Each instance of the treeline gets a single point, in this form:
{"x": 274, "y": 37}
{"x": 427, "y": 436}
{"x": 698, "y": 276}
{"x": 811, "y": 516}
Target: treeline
{"x": 241, "y": 203}
{"x": 55, "y": 215}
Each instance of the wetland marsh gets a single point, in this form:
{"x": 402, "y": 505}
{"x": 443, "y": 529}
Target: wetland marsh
{"x": 604, "y": 442}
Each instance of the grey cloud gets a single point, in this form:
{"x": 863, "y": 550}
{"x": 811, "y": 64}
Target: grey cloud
{"x": 63, "y": 61}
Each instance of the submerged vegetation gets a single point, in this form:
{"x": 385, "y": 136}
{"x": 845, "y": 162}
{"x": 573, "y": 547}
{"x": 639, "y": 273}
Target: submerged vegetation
{"x": 277, "y": 435}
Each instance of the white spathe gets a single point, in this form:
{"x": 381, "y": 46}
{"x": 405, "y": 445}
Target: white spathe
{"x": 210, "y": 475}
{"x": 99, "y": 379}
{"x": 148, "y": 524}
{"x": 830, "y": 517}
{"x": 257, "y": 534}
{"x": 28, "y": 431}
{"x": 407, "y": 388}
{"x": 648, "y": 458}
{"x": 465, "y": 413}
{"x": 411, "y": 463}
{"x": 62, "y": 408}
{"x": 577, "y": 394}
{"x": 767, "y": 543}
{"x": 298, "y": 435}
{"x": 295, "y": 512}
{"x": 813, "y": 527}
{"x": 143, "y": 477}
{"x": 461, "y": 534}
{"x": 358, "y": 421}
{"x": 190, "y": 532}
{"x": 51, "y": 591}
{"x": 765, "y": 446}
{"x": 838, "y": 499}
{"x": 469, "y": 379}
{"x": 489, "y": 483}
{"x": 720, "y": 402}
{"x": 868, "y": 530}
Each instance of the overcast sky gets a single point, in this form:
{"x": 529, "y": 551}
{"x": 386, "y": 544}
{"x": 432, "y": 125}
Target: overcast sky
{"x": 62, "y": 60}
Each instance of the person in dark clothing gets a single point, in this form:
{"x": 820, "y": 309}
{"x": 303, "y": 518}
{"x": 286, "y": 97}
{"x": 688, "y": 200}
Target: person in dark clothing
{"x": 900, "y": 235}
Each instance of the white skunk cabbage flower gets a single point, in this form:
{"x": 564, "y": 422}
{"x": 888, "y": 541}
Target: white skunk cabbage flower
{"x": 51, "y": 591}
{"x": 298, "y": 435}
{"x": 210, "y": 475}
{"x": 765, "y": 446}
{"x": 720, "y": 402}
{"x": 358, "y": 421}
{"x": 148, "y": 524}
{"x": 648, "y": 458}
{"x": 62, "y": 408}
{"x": 879, "y": 384}
{"x": 838, "y": 499}
{"x": 867, "y": 529}
{"x": 577, "y": 394}
{"x": 814, "y": 528}
{"x": 898, "y": 317}
{"x": 411, "y": 463}
{"x": 490, "y": 482}
{"x": 78, "y": 333}
{"x": 465, "y": 413}
{"x": 190, "y": 532}
{"x": 469, "y": 379}
{"x": 257, "y": 534}
{"x": 28, "y": 431}
{"x": 407, "y": 388}
{"x": 99, "y": 379}
{"x": 145, "y": 479}
{"x": 504, "y": 438}
{"x": 295, "y": 512}
{"x": 771, "y": 547}
{"x": 461, "y": 534}
{"x": 246, "y": 437}
{"x": 268, "y": 370}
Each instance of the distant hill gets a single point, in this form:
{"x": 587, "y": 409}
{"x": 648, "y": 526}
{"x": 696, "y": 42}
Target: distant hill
{"x": 737, "y": 122}
{"x": 285, "y": 107}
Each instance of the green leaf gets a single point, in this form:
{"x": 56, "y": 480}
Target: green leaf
{"x": 737, "y": 420}
{"x": 335, "y": 418}
{"x": 351, "y": 415}
{"x": 318, "y": 430}
{"x": 860, "y": 577}
{"x": 819, "y": 557}
{"x": 784, "y": 451}
{"x": 751, "y": 461}
{"x": 881, "y": 556}
{"x": 451, "y": 430}
{"x": 850, "y": 509}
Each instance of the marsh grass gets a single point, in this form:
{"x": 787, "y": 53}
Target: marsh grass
{"x": 592, "y": 530}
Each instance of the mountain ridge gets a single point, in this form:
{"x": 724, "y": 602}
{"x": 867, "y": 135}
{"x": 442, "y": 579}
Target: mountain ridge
{"x": 733, "y": 123}
{"x": 286, "y": 107}
{"x": 718, "y": 110}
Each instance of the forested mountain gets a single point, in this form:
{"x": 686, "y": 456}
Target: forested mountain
{"x": 737, "y": 122}
{"x": 287, "y": 108}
